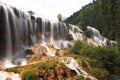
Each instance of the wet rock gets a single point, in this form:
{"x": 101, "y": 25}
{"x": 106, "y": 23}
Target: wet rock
{"x": 60, "y": 52}
{"x": 70, "y": 38}
{"x": 69, "y": 45}
{"x": 16, "y": 11}
{"x": 29, "y": 51}
{"x": 57, "y": 73}
{"x": 8, "y": 78}
{"x": 18, "y": 63}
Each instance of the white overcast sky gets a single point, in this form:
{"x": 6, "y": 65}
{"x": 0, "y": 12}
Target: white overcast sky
{"x": 49, "y": 9}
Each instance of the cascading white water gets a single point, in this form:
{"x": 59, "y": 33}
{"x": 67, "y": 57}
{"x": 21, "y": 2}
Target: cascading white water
{"x": 48, "y": 51}
{"x": 19, "y": 31}
{"x": 9, "y": 76}
{"x": 17, "y": 62}
{"x": 59, "y": 35}
{"x": 76, "y": 32}
{"x": 96, "y": 36}
{"x": 72, "y": 64}
{"x": 98, "y": 39}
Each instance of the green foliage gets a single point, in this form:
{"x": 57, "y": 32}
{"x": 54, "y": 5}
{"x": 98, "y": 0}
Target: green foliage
{"x": 59, "y": 16}
{"x": 101, "y": 14}
{"x": 80, "y": 78}
{"x": 52, "y": 64}
{"x": 15, "y": 70}
{"x": 77, "y": 47}
{"x": 82, "y": 48}
{"x": 29, "y": 75}
{"x": 42, "y": 65}
{"x": 100, "y": 73}
{"x": 31, "y": 13}
{"x": 62, "y": 64}
{"x": 101, "y": 57}
{"x": 109, "y": 57}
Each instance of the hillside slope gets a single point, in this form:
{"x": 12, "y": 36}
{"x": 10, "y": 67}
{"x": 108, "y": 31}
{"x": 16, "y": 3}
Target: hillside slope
{"x": 101, "y": 14}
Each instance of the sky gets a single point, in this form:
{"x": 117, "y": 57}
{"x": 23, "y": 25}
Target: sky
{"x": 48, "y": 9}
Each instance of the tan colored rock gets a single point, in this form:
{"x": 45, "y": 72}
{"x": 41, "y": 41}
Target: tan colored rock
{"x": 8, "y": 78}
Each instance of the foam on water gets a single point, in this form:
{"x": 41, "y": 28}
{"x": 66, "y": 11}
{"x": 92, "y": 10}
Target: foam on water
{"x": 11, "y": 75}
{"x": 14, "y": 63}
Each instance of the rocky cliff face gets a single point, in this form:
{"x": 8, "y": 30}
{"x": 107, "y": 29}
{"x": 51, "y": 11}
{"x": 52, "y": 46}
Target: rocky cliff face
{"x": 71, "y": 68}
{"x": 57, "y": 73}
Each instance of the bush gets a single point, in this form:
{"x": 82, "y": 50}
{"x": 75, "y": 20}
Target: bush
{"x": 100, "y": 73}
{"x": 52, "y": 64}
{"x": 62, "y": 64}
{"x": 80, "y": 78}
{"x": 107, "y": 57}
{"x": 15, "y": 70}
{"x": 77, "y": 47}
{"x": 29, "y": 75}
{"x": 42, "y": 65}
{"x": 82, "y": 48}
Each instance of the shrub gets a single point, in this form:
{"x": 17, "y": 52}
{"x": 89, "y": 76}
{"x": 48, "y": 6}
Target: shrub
{"x": 52, "y": 64}
{"x": 82, "y": 48}
{"x": 61, "y": 64}
{"x": 100, "y": 73}
{"x": 80, "y": 78}
{"x": 77, "y": 46}
{"x": 107, "y": 57}
{"x": 29, "y": 75}
{"x": 42, "y": 65}
{"x": 15, "y": 70}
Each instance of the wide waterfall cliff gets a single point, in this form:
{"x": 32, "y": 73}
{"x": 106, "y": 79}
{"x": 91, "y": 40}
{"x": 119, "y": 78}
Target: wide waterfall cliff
{"x": 19, "y": 31}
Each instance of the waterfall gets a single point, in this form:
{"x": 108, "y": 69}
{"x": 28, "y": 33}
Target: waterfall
{"x": 72, "y": 64}
{"x": 76, "y": 32}
{"x": 19, "y": 31}
{"x": 16, "y": 33}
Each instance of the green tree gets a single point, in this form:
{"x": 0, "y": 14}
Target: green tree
{"x": 31, "y": 13}
{"x": 59, "y": 16}
{"x": 101, "y": 14}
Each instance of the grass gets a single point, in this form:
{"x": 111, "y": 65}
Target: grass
{"x": 29, "y": 75}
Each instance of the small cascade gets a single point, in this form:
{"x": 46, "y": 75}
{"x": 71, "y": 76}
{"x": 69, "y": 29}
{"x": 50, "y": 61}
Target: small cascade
{"x": 76, "y": 32}
{"x": 59, "y": 35}
{"x": 14, "y": 63}
{"x": 9, "y": 76}
{"x": 48, "y": 51}
{"x": 72, "y": 64}
{"x": 96, "y": 35}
